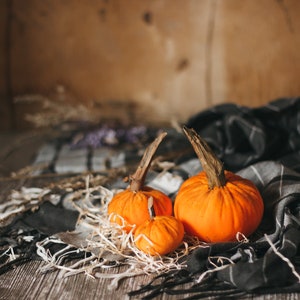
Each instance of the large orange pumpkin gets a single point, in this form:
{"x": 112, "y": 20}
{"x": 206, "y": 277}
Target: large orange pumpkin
{"x": 215, "y": 205}
{"x": 130, "y": 207}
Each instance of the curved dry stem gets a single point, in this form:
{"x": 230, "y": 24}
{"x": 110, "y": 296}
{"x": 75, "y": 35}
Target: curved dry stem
{"x": 138, "y": 178}
{"x": 211, "y": 164}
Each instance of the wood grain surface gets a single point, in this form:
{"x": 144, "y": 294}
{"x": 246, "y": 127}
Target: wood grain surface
{"x": 146, "y": 60}
{"x": 26, "y": 282}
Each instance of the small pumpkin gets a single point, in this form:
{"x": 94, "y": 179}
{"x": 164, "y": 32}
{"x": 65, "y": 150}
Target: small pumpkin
{"x": 131, "y": 205}
{"x": 160, "y": 235}
{"x": 215, "y": 205}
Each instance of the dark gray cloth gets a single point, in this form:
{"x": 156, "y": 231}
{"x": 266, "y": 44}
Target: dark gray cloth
{"x": 263, "y": 145}
{"x": 48, "y": 219}
{"x": 241, "y": 136}
{"x": 255, "y": 267}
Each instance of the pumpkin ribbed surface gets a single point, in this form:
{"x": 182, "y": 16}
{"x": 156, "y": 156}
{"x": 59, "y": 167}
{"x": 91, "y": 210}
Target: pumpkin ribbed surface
{"x": 160, "y": 235}
{"x": 218, "y": 214}
{"x": 133, "y": 206}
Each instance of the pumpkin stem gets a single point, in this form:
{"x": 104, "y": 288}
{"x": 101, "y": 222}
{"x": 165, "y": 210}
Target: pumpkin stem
{"x": 138, "y": 178}
{"x": 211, "y": 164}
{"x": 151, "y": 207}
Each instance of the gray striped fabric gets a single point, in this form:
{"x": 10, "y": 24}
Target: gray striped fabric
{"x": 262, "y": 145}
{"x": 255, "y": 267}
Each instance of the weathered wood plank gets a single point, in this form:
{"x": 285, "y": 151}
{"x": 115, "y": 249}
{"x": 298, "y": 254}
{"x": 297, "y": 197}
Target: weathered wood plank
{"x": 129, "y": 59}
{"x": 6, "y": 107}
{"x": 26, "y": 282}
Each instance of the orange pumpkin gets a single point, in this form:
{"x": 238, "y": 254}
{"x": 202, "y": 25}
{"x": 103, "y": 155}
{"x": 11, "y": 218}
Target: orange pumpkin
{"x": 160, "y": 235}
{"x": 131, "y": 205}
{"x": 215, "y": 205}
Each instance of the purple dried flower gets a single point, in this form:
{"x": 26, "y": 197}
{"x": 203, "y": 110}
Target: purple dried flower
{"x": 109, "y": 136}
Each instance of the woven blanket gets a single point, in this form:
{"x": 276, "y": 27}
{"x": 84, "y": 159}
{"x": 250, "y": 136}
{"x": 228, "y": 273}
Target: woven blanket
{"x": 260, "y": 144}
{"x": 266, "y": 263}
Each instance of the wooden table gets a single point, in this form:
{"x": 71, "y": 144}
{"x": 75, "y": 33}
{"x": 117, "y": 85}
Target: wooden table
{"x": 26, "y": 281}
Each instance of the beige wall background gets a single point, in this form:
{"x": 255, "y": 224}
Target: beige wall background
{"x": 145, "y": 60}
